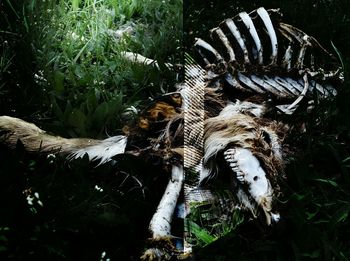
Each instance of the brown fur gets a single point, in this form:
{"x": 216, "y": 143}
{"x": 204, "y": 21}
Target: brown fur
{"x": 35, "y": 139}
{"x": 247, "y": 132}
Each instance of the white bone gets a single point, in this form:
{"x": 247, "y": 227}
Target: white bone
{"x": 287, "y": 85}
{"x": 296, "y": 84}
{"x": 312, "y": 62}
{"x": 203, "y": 44}
{"x": 325, "y": 90}
{"x": 234, "y": 83}
{"x": 287, "y": 58}
{"x": 160, "y": 225}
{"x": 138, "y": 58}
{"x": 302, "y": 95}
{"x": 226, "y": 43}
{"x": 271, "y": 32}
{"x": 290, "y": 31}
{"x": 300, "y": 60}
{"x": 275, "y": 84}
{"x": 235, "y": 32}
{"x": 250, "y": 26}
{"x": 248, "y": 82}
{"x": 252, "y": 174}
{"x": 258, "y": 80}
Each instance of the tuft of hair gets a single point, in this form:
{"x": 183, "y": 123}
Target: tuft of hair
{"x": 37, "y": 140}
{"x": 103, "y": 151}
{"x": 234, "y": 127}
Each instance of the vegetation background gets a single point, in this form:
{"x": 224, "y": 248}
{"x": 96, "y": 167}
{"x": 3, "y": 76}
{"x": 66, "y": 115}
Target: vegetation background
{"x": 316, "y": 203}
{"x": 60, "y": 67}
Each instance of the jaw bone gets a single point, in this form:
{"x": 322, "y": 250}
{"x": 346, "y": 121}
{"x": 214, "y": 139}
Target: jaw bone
{"x": 250, "y": 173}
{"x": 237, "y": 135}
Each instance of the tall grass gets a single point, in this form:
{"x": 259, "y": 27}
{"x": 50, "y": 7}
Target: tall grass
{"x": 60, "y": 67}
{"x": 75, "y": 49}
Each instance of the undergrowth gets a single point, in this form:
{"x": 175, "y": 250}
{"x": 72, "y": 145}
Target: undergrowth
{"x": 82, "y": 84}
{"x": 61, "y": 68}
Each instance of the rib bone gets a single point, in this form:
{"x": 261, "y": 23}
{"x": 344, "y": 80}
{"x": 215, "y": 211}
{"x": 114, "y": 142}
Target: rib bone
{"x": 271, "y": 32}
{"x": 250, "y": 26}
{"x": 204, "y": 45}
{"x": 226, "y": 43}
{"x": 235, "y": 32}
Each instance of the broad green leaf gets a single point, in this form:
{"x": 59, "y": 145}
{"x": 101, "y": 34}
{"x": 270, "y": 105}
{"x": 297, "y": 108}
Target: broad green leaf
{"x": 200, "y": 233}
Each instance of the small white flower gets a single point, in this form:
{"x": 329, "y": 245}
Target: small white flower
{"x": 30, "y": 200}
{"x": 98, "y": 188}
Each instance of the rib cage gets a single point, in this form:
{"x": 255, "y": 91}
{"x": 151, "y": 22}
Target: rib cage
{"x": 256, "y": 53}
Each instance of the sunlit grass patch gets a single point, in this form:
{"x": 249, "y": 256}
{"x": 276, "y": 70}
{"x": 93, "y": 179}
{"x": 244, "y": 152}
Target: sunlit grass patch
{"x": 75, "y": 49}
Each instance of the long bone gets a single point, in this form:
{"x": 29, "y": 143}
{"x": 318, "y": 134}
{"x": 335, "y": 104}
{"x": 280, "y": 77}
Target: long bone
{"x": 138, "y": 58}
{"x": 302, "y": 95}
{"x": 249, "y": 83}
{"x": 265, "y": 85}
{"x": 160, "y": 225}
{"x": 288, "y": 86}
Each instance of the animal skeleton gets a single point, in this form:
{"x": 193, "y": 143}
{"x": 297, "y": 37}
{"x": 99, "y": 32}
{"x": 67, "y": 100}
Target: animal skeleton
{"x": 207, "y": 133}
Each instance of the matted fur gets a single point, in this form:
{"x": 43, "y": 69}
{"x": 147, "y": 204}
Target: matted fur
{"x": 36, "y": 140}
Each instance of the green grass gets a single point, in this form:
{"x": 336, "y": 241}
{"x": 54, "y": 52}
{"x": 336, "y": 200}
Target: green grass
{"x": 76, "y": 67}
{"x": 60, "y": 67}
